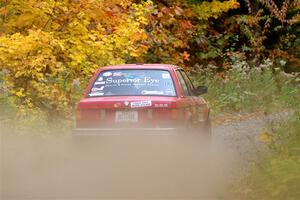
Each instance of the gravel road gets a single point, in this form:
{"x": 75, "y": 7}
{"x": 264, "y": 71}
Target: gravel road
{"x": 148, "y": 167}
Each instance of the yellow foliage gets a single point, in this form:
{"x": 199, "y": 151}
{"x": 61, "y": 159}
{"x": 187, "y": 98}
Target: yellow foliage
{"x": 46, "y": 45}
{"x": 265, "y": 137}
{"x": 214, "y": 9}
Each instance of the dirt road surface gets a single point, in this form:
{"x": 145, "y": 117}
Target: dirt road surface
{"x": 128, "y": 166}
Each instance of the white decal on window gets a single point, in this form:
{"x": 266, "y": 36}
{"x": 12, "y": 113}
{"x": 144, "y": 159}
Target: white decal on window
{"x": 147, "y": 92}
{"x": 106, "y": 74}
{"x": 96, "y": 94}
{"x": 110, "y": 80}
{"x": 166, "y": 76}
{"x": 150, "y": 80}
{"x": 97, "y": 89}
{"x": 99, "y": 83}
{"x": 117, "y": 74}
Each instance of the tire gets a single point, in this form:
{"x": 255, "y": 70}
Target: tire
{"x": 207, "y": 129}
{"x": 204, "y": 132}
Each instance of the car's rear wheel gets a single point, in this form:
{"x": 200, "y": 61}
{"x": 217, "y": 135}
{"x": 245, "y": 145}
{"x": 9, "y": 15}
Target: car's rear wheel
{"x": 206, "y": 130}
{"x": 202, "y": 131}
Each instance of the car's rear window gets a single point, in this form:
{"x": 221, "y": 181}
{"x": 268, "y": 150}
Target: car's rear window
{"x": 133, "y": 82}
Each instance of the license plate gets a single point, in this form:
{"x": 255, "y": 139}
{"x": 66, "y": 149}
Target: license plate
{"x": 126, "y": 116}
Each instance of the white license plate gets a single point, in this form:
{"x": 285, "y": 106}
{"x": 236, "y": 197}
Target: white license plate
{"x": 126, "y": 116}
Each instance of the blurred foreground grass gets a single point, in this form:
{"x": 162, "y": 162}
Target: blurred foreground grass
{"x": 276, "y": 175}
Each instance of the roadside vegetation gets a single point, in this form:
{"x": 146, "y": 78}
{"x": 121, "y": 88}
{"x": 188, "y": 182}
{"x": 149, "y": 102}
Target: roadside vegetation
{"x": 246, "y": 52}
{"x": 244, "y": 90}
{"x": 276, "y": 174}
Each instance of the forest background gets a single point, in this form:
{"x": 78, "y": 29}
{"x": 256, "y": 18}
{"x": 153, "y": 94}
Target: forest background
{"x": 49, "y": 49}
{"x": 246, "y": 51}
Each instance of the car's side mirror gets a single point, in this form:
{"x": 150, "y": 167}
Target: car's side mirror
{"x": 201, "y": 90}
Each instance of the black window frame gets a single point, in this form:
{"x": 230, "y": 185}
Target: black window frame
{"x": 178, "y": 73}
{"x": 189, "y": 83}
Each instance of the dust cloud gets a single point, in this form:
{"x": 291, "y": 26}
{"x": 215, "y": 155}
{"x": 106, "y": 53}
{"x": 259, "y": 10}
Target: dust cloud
{"x": 124, "y": 166}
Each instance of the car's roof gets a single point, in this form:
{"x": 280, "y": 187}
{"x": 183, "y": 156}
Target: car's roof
{"x": 140, "y": 66}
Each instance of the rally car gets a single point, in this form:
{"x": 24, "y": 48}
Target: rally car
{"x": 142, "y": 98}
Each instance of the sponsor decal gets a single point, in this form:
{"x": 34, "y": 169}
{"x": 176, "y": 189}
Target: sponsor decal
{"x": 133, "y": 81}
{"x": 140, "y": 104}
{"x": 107, "y": 74}
{"x": 150, "y": 80}
{"x": 146, "y": 92}
{"x": 99, "y": 83}
{"x": 169, "y": 92}
{"x": 117, "y": 74}
{"x": 96, "y": 94}
{"x": 97, "y": 89}
{"x": 100, "y": 78}
{"x": 110, "y": 80}
{"x": 166, "y": 76}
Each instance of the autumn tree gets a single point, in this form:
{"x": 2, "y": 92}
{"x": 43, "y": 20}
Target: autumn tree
{"x": 175, "y": 26}
{"x": 48, "y": 47}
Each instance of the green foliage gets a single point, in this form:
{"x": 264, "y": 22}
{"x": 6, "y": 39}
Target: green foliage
{"x": 258, "y": 29}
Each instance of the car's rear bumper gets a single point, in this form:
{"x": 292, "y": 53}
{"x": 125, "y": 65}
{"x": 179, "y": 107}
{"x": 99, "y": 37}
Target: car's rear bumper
{"x": 124, "y": 131}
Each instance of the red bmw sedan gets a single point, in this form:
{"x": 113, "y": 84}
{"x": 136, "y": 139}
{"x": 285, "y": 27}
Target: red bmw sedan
{"x": 143, "y": 98}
